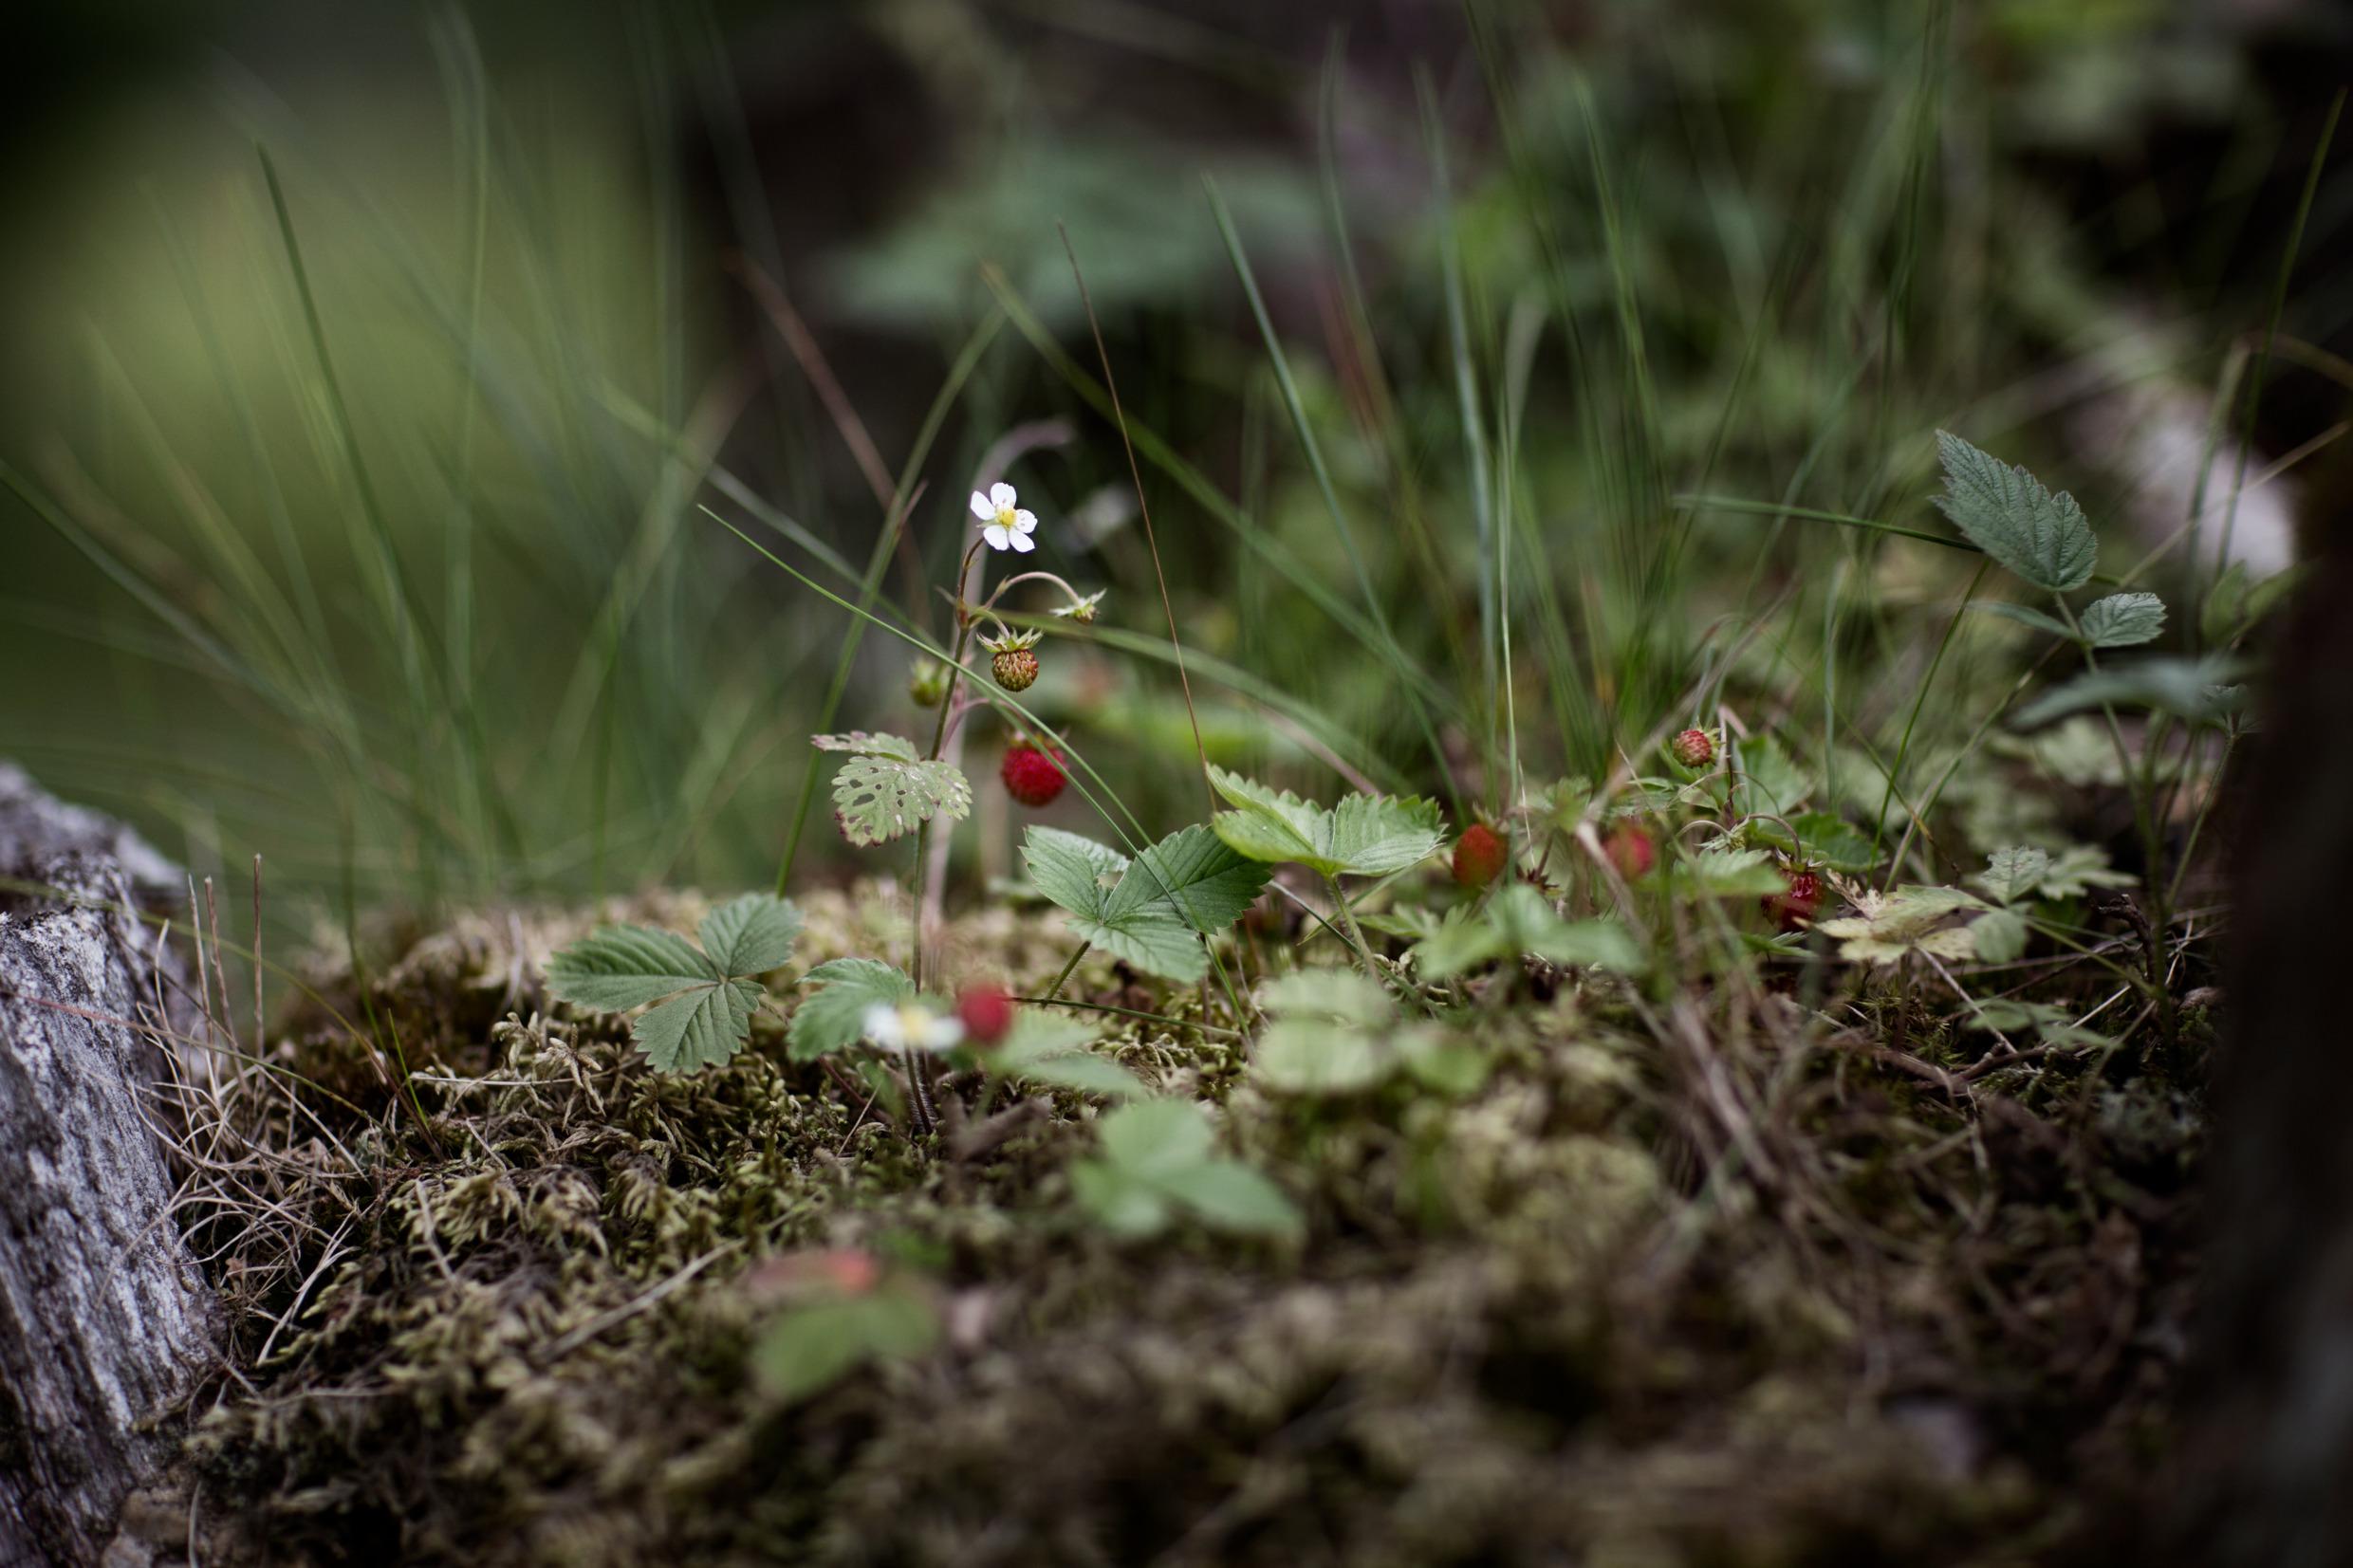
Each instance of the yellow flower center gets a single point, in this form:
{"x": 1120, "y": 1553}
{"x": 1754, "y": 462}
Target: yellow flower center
{"x": 1005, "y": 518}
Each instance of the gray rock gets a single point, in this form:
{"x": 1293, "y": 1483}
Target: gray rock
{"x": 105, "y": 1320}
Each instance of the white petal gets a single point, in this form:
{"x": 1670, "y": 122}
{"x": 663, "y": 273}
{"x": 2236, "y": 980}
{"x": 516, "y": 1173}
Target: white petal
{"x": 882, "y": 1025}
{"x": 981, "y": 507}
{"x": 1026, "y": 521}
{"x": 996, "y": 536}
{"x": 1023, "y": 543}
{"x": 1000, "y": 495}
{"x": 944, "y": 1033}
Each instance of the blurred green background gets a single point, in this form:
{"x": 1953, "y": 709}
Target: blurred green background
{"x": 370, "y": 364}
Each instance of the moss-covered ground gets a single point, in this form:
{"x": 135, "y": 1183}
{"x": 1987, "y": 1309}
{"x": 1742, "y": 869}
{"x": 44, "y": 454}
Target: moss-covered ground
{"x": 1750, "y": 1286}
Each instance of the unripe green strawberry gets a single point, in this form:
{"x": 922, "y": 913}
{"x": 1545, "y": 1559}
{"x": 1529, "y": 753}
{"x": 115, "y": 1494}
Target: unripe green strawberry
{"x": 1013, "y": 659}
{"x": 927, "y": 683}
{"x": 1479, "y": 856}
{"x": 1693, "y": 748}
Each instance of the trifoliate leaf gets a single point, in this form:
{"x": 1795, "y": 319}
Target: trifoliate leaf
{"x": 2013, "y": 872}
{"x": 1320, "y": 1056}
{"x": 1157, "y": 1155}
{"x": 1337, "y": 1032}
{"x": 1230, "y": 1196}
{"x": 1998, "y": 936}
{"x": 1518, "y": 920}
{"x": 1363, "y": 836}
{"x": 1201, "y": 880}
{"x": 1736, "y": 873}
{"x": 1374, "y": 835}
{"x": 711, "y": 998}
{"x": 1767, "y": 780}
{"x": 867, "y": 743}
{"x": 1050, "y": 1050}
{"x": 1073, "y": 870}
{"x": 833, "y": 1014}
{"x": 877, "y": 799}
{"x": 1894, "y": 926}
{"x": 2020, "y": 873}
{"x": 625, "y": 967}
{"x": 751, "y": 935}
{"x": 702, "y": 1026}
{"x": 1157, "y": 1136}
{"x": 1821, "y": 838}
{"x": 1126, "y": 1205}
{"x": 1341, "y": 994}
{"x": 2008, "y": 513}
{"x": 2123, "y": 621}
{"x": 1093, "y": 883}
{"x": 809, "y": 1348}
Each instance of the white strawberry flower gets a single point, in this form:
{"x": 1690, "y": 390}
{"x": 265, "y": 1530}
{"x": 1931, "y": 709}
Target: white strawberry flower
{"x": 1004, "y": 525}
{"x": 911, "y": 1025}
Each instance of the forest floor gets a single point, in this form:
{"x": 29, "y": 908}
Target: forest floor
{"x": 1801, "y": 1278}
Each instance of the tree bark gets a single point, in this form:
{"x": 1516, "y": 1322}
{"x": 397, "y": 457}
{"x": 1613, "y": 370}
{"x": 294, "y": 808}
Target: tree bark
{"x": 2266, "y": 1478}
{"x": 105, "y": 1320}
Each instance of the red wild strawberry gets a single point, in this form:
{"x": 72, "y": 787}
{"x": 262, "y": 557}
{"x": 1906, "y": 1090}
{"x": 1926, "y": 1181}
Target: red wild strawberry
{"x": 1630, "y": 851}
{"x": 986, "y": 1012}
{"x": 1693, "y": 748}
{"x": 1794, "y": 908}
{"x": 1032, "y": 776}
{"x": 1479, "y": 856}
{"x": 848, "y": 1270}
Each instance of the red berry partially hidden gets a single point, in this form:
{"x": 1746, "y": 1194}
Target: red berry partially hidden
{"x": 1630, "y": 851}
{"x": 986, "y": 1012}
{"x": 1479, "y": 856}
{"x": 1693, "y": 748}
{"x": 1794, "y": 908}
{"x": 1032, "y": 776}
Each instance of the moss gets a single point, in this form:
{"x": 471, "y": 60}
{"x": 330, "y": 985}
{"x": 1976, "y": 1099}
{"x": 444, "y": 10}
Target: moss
{"x": 1772, "y": 1306}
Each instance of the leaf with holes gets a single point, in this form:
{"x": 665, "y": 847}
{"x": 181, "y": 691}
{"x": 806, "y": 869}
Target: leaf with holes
{"x": 866, "y": 743}
{"x": 877, "y": 799}
{"x": 2008, "y": 513}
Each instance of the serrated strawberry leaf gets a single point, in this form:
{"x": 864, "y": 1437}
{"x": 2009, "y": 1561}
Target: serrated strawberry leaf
{"x": 1052, "y": 1051}
{"x": 2123, "y": 621}
{"x": 1158, "y": 1157}
{"x": 751, "y": 935}
{"x": 1201, "y": 880}
{"x": 833, "y": 1015}
{"x": 1071, "y": 870}
{"x": 710, "y": 996}
{"x": 1363, "y": 836}
{"x": 2008, "y": 513}
{"x": 1087, "y": 880}
{"x": 876, "y": 798}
